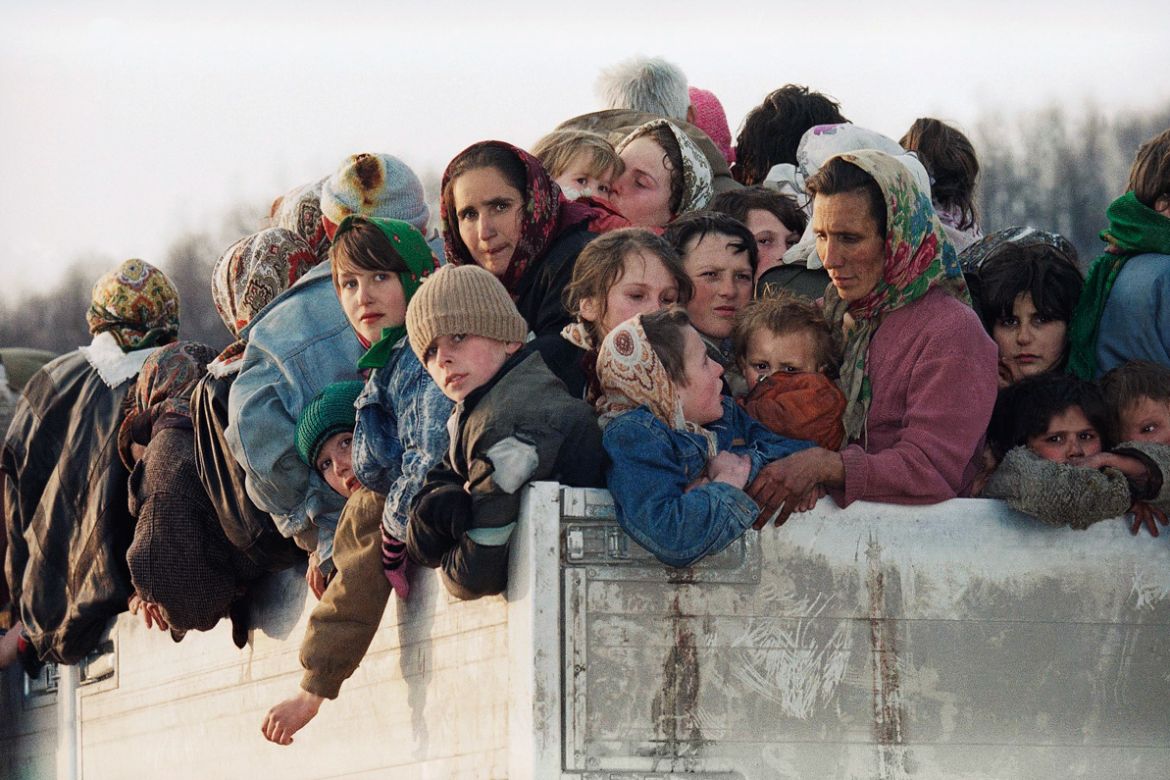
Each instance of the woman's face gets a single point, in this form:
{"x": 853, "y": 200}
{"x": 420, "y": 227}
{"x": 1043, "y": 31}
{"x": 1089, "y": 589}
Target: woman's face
{"x": 722, "y": 278}
{"x": 1029, "y": 343}
{"x": 490, "y": 213}
{"x": 371, "y": 300}
{"x": 849, "y": 243}
{"x": 645, "y": 286}
{"x": 642, "y": 192}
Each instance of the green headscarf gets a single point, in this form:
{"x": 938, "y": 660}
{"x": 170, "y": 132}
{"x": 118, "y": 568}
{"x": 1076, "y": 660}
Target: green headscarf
{"x": 1134, "y": 229}
{"x": 419, "y": 259}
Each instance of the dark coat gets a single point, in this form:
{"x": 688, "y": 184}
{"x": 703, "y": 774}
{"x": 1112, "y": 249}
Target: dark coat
{"x": 538, "y": 294}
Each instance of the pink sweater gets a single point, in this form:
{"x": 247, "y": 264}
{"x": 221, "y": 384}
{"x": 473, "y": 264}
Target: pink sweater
{"x": 934, "y": 377}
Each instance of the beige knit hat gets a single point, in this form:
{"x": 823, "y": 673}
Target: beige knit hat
{"x": 462, "y": 299}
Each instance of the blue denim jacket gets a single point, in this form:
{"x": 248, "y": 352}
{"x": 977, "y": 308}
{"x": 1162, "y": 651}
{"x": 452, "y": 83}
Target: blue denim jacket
{"x": 651, "y": 466}
{"x": 297, "y": 345}
{"x": 401, "y": 432}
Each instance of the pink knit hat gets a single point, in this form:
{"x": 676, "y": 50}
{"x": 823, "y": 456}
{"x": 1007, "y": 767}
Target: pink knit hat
{"x": 711, "y": 119}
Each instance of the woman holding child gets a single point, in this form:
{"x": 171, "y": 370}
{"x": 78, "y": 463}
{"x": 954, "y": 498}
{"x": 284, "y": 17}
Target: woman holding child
{"x": 919, "y": 372}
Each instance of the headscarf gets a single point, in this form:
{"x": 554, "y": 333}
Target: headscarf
{"x": 547, "y": 214}
{"x": 162, "y": 393}
{"x": 973, "y": 257}
{"x": 299, "y": 211}
{"x": 419, "y": 259}
{"x": 1134, "y": 229}
{"x": 697, "y": 176}
{"x": 251, "y": 273}
{"x": 136, "y": 304}
{"x": 918, "y": 257}
{"x": 631, "y": 375}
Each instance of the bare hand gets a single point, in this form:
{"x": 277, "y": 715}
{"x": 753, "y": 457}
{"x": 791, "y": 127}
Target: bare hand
{"x": 785, "y": 484}
{"x": 314, "y": 576}
{"x": 152, "y": 613}
{"x": 289, "y": 717}
{"x": 1129, "y": 466}
{"x": 730, "y": 468}
{"x": 1144, "y": 514}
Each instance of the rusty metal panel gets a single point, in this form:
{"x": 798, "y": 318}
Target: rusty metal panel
{"x": 959, "y": 640}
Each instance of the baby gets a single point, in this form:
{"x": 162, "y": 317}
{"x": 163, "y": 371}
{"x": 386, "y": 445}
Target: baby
{"x": 584, "y": 164}
{"x": 787, "y": 354}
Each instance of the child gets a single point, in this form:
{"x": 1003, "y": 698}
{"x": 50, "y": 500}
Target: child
{"x": 1138, "y": 395}
{"x": 513, "y": 423}
{"x": 1048, "y": 432}
{"x": 681, "y": 453}
{"x": 788, "y": 357}
{"x": 584, "y": 164}
{"x": 777, "y": 222}
{"x": 616, "y": 276}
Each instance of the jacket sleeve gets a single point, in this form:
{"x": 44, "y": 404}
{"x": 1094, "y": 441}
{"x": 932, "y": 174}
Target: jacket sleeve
{"x": 952, "y": 389}
{"x": 1156, "y": 458}
{"x": 1057, "y": 493}
{"x": 648, "y": 485}
{"x": 760, "y": 444}
{"x": 422, "y": 429}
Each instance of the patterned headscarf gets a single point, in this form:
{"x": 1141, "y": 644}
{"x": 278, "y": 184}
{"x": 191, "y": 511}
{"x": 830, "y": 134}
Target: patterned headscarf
{"x": 973, "y": 257}
{"x": 136, "y": 304}
{"x": 698, "y": 189}
{"x": 632, "y": 375}
{"x": 547, "y": 214}
{"x": 299, "y": 211}
{"x": 918, "y": 257}
{"x": 252, "y": 272}
{"x": 162, "y": 393}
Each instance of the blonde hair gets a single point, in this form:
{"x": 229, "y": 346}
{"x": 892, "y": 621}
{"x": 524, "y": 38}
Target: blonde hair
{"x": 557, "y": 149}
{"x": 781, "y": 312}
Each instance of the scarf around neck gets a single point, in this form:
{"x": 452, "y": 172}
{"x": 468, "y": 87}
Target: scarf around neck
{"x": 1134, "y": 229}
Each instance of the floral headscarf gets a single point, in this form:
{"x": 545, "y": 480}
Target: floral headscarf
{"x": 547, "y": 214}
{"x": 698, "y": 189}
{"x": 918, "y": 257}
{"x": 136, "y": 304}
{"x": 631, "y": 375}
{"x": 299, "y": 211}
{"x": 162, "y": 393}
{"x": 252, "y": 272}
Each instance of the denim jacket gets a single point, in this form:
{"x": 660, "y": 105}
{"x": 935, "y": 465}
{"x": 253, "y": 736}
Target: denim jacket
{"x": 651, "y": 466}
{"x": 297, "y": 344}
{"x": 401, "y": 432}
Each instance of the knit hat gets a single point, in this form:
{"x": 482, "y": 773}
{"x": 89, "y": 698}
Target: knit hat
{"x": 331, "y": 412}
{"x": 374, "y": 185}
{"x": 712, "y": 120}
{"x": 462, "y": 299}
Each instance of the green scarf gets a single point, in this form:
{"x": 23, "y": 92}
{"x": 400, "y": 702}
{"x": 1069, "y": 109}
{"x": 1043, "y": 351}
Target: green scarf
{"x": 420, "y": 262}
{"x": 1134, "y": 229}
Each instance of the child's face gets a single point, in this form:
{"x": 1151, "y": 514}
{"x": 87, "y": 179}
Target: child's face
{"x": 723, "y": 283}
{"x": 461, "y": 363}
{"x": 772, "y": 237}
{"x": 1146, "y": 420}
{"x": 579, "y": 180}
{"x": 371, "y": 300}
{"x": 1069, "y": 435}
{"x": 1028, "y": 342}
{"x": 645, "y": 285}
{"x": 334, "y": 464}
{"x": 768, "y": 352}
{"x": 702, "y": 398}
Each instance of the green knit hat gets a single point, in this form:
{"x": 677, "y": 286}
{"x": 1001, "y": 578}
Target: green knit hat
{"x": 462, "y": 299}
{"x": 331, "y": 412}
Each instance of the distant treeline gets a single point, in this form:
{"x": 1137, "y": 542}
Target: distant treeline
{"x": 1043, "y": 169}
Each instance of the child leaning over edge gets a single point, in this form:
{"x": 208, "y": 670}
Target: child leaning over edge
{"x": 1138, "y": 396}
{"x": 513, "y": 423}
{"x": 681, "y": 453}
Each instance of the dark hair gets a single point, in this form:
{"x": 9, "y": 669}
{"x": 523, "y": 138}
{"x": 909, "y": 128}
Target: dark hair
{"x": 1126, "y": 385}
{"x": 949, "y": 158}
{"x": 1025, "y": 409}
{"x": 837, "y": 177}
{"x": 602, "y": 263}
{"x": 364, "y": 246}
{"x": 771, "y": 131}
{"x": 783, "y": 312}
{"x": 737, "y": 204}
{"x": 1050, "y": 276}
{"x": 672, "y": 159}
{"x": 484, "y": 155}
{"x": 698, "y": 224}
{"x": 1149, "y": 177}
{"x": 666, "y": 332}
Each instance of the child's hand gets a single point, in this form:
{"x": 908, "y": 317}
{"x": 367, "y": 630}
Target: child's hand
{"x": 314, "y": 576}
{"x": 1131, "y": 467}
{"x": 151, "y": 613}
{"x": 1144, "y": 514}
{"x": 730, "y": 468}
{"x": 288, "y": 717}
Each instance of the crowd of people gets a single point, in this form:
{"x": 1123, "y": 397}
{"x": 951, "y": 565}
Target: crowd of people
{"x": 720, "y": 334}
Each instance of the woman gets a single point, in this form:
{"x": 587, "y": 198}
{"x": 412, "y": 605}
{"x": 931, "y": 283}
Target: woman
{"x": 1028, "y": 284}
{"x": 1122, "y": 314}
{"x": 919, "y": 373}
{"x": 666, "y": 175}
{"x": 502, "y": 211}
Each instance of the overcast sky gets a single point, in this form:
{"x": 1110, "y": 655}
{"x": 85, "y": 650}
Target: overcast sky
{"x": 121, "y": 129}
